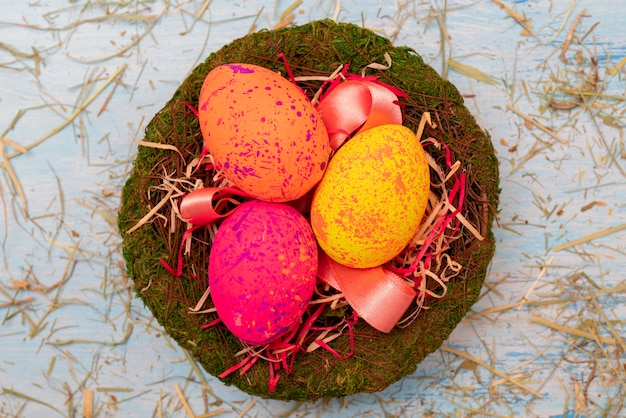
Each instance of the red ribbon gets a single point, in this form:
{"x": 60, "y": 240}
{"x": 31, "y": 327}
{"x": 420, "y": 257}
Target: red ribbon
{"x": 281, "y": 353}
{"x": 356, "y": 105}
{"x": 379, "y": 296}
{"x": 426, "y": 253}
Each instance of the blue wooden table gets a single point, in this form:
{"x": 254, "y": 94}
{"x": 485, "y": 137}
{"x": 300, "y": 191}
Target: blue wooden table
{"x": 80, "y": 80}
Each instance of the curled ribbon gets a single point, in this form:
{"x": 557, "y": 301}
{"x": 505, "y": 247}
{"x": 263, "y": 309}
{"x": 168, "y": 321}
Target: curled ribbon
{"x": 356, "y": 105}
{"x": 379, "y": 296}
{"x": 198, "y": 209}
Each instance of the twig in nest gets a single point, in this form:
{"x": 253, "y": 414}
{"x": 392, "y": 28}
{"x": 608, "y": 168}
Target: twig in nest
{"x": 152, "y": 212}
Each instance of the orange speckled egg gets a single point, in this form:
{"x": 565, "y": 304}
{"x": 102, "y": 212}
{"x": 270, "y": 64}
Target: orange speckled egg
{"x": 263, "y": 132}
{"x": 372, "y": 197}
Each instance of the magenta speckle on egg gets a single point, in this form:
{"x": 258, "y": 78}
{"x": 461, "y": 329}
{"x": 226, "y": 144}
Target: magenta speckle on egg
{"x": 262, "y": 270}
{"x": 240, "y": 69}
{"x": 260, "y": 122}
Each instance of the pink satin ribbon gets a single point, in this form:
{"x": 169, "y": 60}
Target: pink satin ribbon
{"x": 197, "y": 207}
{"x": 378, "y": 295}
{"x": 356, "y": 105}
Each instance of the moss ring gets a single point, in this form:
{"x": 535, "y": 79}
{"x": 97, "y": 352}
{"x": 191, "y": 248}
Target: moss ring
{"x": 317, "y": 48}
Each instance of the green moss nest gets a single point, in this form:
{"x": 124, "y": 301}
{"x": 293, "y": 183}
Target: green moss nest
{"x": 317, "y": 48}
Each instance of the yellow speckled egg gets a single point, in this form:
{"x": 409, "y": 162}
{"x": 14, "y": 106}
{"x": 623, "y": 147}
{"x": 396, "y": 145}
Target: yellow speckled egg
{"x": 371, "y": 200}
{"x": 263, "y": 132}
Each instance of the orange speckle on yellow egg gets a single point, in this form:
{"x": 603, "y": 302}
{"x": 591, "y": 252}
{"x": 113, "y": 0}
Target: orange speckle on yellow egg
{"x": 371, "y": 200}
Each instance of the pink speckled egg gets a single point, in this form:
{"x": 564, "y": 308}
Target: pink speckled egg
{"x": 262, "y": 270}
{"x": 263, "y": 132}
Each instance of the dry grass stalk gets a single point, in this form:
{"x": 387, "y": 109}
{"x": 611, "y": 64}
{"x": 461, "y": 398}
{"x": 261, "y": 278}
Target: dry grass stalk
{"x": 536, "y": 124}
{"x": 183, "y": 400}
{"x": 544, "y": 302}
{"x": 13, "y": 177}
{"x": 336, "y": 10}
{"x": 570, "y": 36}
{"x": 28, "y": 398}
{"x": 491, "y": 369}
{"x": 572, "y": 331}
{"x": 205, "y": 384}
{"x": 106, "y": 101}
{"x": 203, "y": 9}
{"x": 541, "y": 273}
{"x": 75, "y": 113}
{"x": 616, "y": 69}
{"x": 289, "y": 10}
{"x": 13, "y": 144}
{"x": 581, "y": 407}
{"x": 253, "y": 25}
{"x": 88, "y": 403}
{"x": 471, "y": 72}
{"x": 16, "y": 302}
{"x": 590, "y": 237}
{"x": 528, "y": 27}
{"x": 39, "y": 326}
{"x": 214, "y": 413}
{"x": 113, "y": 343}
{"x": 287, "y": 17}
{"x": 248, "y": 407}
{"x": 608, "y": 322}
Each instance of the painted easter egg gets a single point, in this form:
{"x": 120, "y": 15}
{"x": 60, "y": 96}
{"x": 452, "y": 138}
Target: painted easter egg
{"x": 263, "y": 132}
{"x": 371, "y": 200}
{"x": 262, "y": 270}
